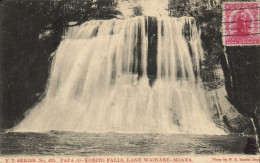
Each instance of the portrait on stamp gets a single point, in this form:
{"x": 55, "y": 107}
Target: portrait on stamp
{"x": 241, "y": 23}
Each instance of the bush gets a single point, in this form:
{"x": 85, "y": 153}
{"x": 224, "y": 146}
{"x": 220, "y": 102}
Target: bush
{"x": 138, "y": 10}
{"x": 30, "y": 32}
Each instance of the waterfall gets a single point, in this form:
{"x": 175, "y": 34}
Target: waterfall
{"x": 138, "y": 75}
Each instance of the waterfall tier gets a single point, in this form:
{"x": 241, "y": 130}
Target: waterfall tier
{"x": 137, "y": 75}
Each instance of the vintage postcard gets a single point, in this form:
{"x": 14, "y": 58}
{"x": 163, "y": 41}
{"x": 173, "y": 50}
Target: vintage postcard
{"x": 129, "y": 81}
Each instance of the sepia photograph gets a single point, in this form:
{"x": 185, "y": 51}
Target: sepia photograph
{"x": 129, "y": 81}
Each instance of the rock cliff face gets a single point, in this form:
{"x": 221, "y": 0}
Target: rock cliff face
{"x": 241, "y": 69}
{"x": 240, "y": 66}
{"x": 226, "y": 115}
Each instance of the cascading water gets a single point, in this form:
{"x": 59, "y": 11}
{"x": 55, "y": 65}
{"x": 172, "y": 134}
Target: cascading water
{"x": 137, "y": 75}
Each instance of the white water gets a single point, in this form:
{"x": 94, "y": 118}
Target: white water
{"x": 94, "y": 84}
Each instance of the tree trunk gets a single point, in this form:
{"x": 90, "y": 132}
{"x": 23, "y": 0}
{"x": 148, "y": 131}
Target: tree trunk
{"x": 256, "y": 123}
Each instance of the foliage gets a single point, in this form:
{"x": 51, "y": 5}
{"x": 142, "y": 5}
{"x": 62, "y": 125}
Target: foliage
{"x": 240, "y": 64}
{"x": 209, "y": 21}
{"x": 30, "y": 32}
{"x": 138, "y": 10}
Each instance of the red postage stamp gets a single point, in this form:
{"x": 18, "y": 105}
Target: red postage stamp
{"x": 241, "y": 23}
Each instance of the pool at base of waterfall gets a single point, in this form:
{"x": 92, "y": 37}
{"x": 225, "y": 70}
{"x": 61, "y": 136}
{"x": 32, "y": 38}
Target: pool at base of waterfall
{"x": 108, "y": 144}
